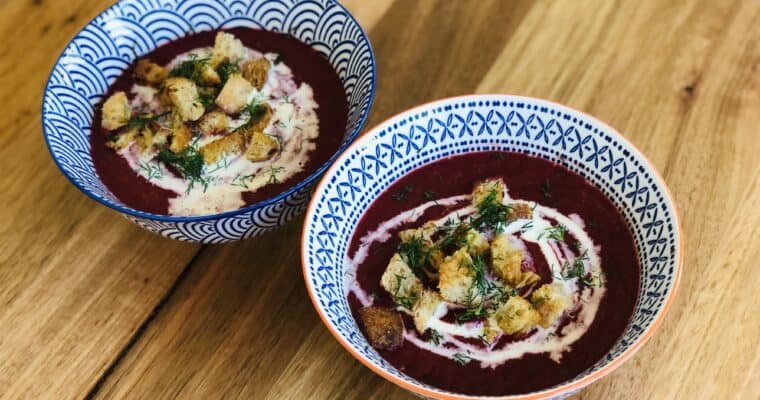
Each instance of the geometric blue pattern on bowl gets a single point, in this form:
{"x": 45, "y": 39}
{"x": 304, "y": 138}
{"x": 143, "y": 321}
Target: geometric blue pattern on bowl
{"x": 478, "y": 123}
{"x": 114, "y": 39}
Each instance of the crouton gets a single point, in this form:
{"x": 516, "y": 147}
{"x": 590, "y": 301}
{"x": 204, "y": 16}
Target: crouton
{"x": 491, "y": 330}
{"x": 550, "y": 300}
{"x": 476, "y": 242}
{"x": 116, "y": 111}
{"x": 520, "y": 211}
{"x": 226, "y": 48}
{"x": 516, "y": 316}
{"x": 145, "y": 138}
{"x": 384, "y": 327}
{"x": 399, "y": 280}
{"x": 483, "y": 189}
{"x": 122, "y": 139}
{"x": 234, "y": 95}
{"x": 256, "y": 71}
{"x": 161, "y": 136}
{"x": 150, "y": 73}
{"x": 456, "y": 278}
{"x": 180, "y": 136}
{"x": 183, "y": 94}
{"x": 261, "y": 147}
{"x": 214, "y": 151}
{"x": 424, "y": 309}
{"x": 213, "y": 123}
{"x": 507, "y": 263}
{"x": 209, "y": 75}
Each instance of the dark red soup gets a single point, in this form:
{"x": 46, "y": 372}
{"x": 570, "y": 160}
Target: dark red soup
{"x": 538, "y": 192}
{"x": 256, "y": 143}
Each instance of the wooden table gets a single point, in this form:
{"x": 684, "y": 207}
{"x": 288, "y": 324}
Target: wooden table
{"x": 92, "y": 306}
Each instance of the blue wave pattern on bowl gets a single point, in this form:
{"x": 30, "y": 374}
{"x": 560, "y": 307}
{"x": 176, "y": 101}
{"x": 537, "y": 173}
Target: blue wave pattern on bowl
{"x": 113, "y": 40}
{"x": 508, "y": 123}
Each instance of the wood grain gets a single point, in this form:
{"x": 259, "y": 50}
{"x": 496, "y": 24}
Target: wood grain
{"x": 92, "y": 306}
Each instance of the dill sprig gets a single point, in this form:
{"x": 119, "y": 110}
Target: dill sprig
{"x": 556, "y": 232}
{"x": 225, "y": 70}
{"x": 402, "y": 194}
{"x": 273, "y": 171}
{"x": 243, "y": 180}
{"x": 139, "y": 121}
{"x": 403, "y": 301}
{"x": 188, "y": 162}
{"x": 253, "y": 112}
{"x": 151, "y": 170}
{"x": 462, "y": 358}
{"x": 492, "y": 214}
{"x": 415, "y": 254}
{"x": 192, "y": 69}
{"x": 435, "y": 337}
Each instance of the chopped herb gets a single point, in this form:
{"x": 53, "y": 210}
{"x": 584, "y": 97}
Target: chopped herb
{"x": 140, "y": 121}
{"x": 435, "y": 337}
{"x": 192, "y": 69}
{"x": 546, "y": 189}
{"x": 189, "y": 162}
{"x": 528, "y": 225}
{"x": 473, "y": 313}
{"x": 497, "y": 156}
{"x": 592, "y": 223}
{"x": 402, "y": 194}
{"x": 253, "y": 113}
{"x": 151, "y": 171}
{"x": 273, "y": 171}
{"x": 243, "y": 180}
{"x": 277, "y": 59}
{"x": 484, "y": 338}
{"x": 112, "y": 137}
{"x": 491, "y": 214}
{"x": 538, "y": 301}
{"x": 578, "y": 271}
{"x": 225, "y": 70}
{"x": 462, "y": 358}
{"x": 456, "y": 236}
{"x": 374, "y": 296}
{"x": 556, "y": 232}
{"x": 430, "y": 195}
{"x": 415, "y": 254}
{"x": 206, "y": 99}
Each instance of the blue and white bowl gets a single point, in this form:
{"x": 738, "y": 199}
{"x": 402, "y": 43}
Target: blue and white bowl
{"x": 130, "y": 28}
{"x": 491, "y": 122}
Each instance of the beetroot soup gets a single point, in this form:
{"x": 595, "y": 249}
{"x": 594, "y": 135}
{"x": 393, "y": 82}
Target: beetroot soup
{"x": 492, "y": 273}
{"x": 216, "y": 121}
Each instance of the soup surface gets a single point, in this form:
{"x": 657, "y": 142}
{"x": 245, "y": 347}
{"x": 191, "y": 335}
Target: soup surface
{"x": 492, "y": 273}
{"x": 216, "y": 121}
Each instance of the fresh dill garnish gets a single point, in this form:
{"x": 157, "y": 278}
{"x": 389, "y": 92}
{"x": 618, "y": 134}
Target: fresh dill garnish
{"x": 577, "y": 270}
{"x": 556, "y": 232}
{"x": 414, "y": 254}
{"x": 538, "y": 301}
{"x": 473, "y": 313}
{"x": 188, "y": 162}
{"x": 206, "y": 99}
{"x": 243, "y": 180}
{"x": 462, "y": 358}
{"x": 225, "y": 70}
{"x": 277, "y": 59}
{"x": 546, "y": 189}
{"x": 498, "y": 156}
{"x": 253, "y": 112}
{"x": 139, "y": 121}
{"x": 402, "y": 194}
{"x": 192, "y": 69}
{"x": 430, "y": 195}
{"x": 403, "y": 301}
{"x": 455, "y": 236}
{"x": 528, "y": 225}
{"x": 435, "y": 337}
{"x": 151, "y": 171}
{"x": 491, "y": 214}
{"x": 273, "y": 171}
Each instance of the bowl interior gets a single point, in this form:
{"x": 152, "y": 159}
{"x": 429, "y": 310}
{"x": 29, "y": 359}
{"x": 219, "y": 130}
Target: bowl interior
{"x": 114, "y": 39}
{"x": 477, "y": 123}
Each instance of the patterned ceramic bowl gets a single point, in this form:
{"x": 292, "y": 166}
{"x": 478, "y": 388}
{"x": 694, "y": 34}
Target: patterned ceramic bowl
{"x": 476, "y": 123}
{"x": 114, "y": 39}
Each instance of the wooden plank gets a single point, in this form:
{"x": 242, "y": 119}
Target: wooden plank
{"x": 76, "y": 279}
{"x": 242, "y": 326}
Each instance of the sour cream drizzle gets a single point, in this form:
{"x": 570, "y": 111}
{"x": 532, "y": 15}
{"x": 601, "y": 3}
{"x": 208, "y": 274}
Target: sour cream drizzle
{"x": 554, "y": 340}
{"x": 294, "y": 122}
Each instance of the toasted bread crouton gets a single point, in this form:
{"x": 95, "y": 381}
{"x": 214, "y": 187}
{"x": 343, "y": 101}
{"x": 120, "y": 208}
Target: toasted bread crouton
{"x": 384, "y": 327}
{"x": 456, "y": 278}
{"x": 399, "y": 280}
{"x": 209, "y": 75}
{"x": 491, "y": 330}
{"x": 234, "y": 95}
{"x": 181, "y": 134}
{"x": 256, "y": 71}
{"x": 476, "y": 242}
{"x": 261, "y": 147}
{"x": 507, "y": 263}
{"x": 116, "y": 111}
{"x": 226, "y": 48}
{"x": 161, "y": 136}
{"x": 516, "y": 316}
{"x": 425, "y": 308}
{"x": 122, "y": 139}
{"x": 183, "y": 94}
{"x": 214, "y": 151}
{"x": 150, "y": 73}
{"x": 550, "y": 300}
{"x": 483, "y": 189}
{"x": 145, "y": 139}
{"x": 262, "y": 119}
{"x": 520, "y": 211}
{"x": 213, "y": 123}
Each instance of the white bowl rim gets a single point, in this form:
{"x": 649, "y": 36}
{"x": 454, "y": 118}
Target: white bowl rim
{"x": 249, "y": 208}
{"x": 566, "y": 388}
